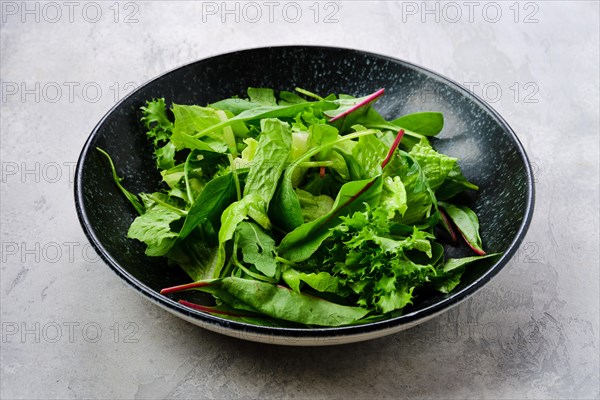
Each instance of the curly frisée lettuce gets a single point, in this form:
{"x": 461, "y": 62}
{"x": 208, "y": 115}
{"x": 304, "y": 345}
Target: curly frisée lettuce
{"x": 302, "y": 210}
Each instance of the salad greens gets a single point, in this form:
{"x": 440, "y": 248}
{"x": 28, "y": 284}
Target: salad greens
{"x": 303, "y": 210}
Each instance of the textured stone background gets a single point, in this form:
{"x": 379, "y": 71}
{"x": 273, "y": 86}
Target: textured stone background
{"x": 72, "y": 329}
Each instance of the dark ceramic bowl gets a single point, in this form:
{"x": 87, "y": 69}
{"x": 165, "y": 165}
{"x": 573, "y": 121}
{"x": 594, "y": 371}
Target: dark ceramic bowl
{"x": 490, "y": 155}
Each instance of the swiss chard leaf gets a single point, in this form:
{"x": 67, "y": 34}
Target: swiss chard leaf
{"x": 282, "y": 303}
{"x": 453, "y": 269}
{"x": 467, "y": 223}
{"x": 350, "y": 109}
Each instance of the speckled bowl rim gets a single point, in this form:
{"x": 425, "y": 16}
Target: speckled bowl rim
{"x": 307, "y": 336}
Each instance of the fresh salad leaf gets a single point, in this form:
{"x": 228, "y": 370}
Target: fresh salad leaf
{"x": 295, "y": 210}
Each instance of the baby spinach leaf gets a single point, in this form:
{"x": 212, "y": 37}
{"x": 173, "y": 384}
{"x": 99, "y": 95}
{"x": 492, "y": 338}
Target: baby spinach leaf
{"x": 452, "y": 264}
{"x": 453, "y": 269}
{"x": 416, "y": 125}
{"x": 210, "y": 204}
{"x": 424, "y": 123}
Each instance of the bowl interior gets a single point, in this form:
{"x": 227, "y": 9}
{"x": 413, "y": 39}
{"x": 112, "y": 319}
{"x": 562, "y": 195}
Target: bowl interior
{"x": 489, "y": 153}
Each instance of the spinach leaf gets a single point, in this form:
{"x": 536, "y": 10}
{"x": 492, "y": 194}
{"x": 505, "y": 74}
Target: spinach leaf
{"x": 416, "y": 125}
{"x": 209, "y": 205}
{"x": 424, "y": 123}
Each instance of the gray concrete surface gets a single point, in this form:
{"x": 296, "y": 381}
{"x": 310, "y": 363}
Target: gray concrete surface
{"x": 72, "y": 329}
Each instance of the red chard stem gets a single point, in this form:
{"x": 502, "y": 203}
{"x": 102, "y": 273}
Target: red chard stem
{"x": 180, "y": 288}
{"x": 393, "y": 148}
{"x": 367, "y": 100}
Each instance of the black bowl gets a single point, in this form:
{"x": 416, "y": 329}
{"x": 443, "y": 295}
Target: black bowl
{"x": 490, "y": 155}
